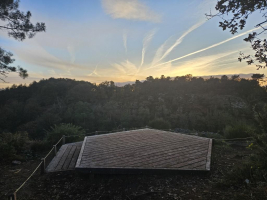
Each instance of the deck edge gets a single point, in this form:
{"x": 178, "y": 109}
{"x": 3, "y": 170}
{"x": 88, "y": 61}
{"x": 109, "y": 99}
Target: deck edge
{"x": 81, "y": 153}
{"x": 118, "y": 170}
{"x": 209, "y": 156}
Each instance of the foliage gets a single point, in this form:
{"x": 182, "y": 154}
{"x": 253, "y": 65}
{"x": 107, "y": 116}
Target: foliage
{"x": 56, "y": 132}
{"x": 239, "y": 12}
{"x": 12, "y": 144}
{"x": 260, "y": 114}
{"x": 185, "y": 102}
{"x": 239, "y": 129}
{"x": 19, "y": 27}
{"x": 253, "y": 169}
{"x": 159, "y": 123}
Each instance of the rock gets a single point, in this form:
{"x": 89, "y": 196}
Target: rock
{"x": 16, "y": 162}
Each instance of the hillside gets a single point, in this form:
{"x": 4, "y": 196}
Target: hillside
{"x": 185, "y": 102}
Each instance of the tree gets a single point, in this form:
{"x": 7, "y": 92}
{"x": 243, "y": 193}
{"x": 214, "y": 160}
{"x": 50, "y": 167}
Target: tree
{"x": 18, "y": 26}
{"x": 239, "y": 11}
{"x": 257, "y": 76}
{"x": 235, "y": 77}
{"x": 224, "y": 78}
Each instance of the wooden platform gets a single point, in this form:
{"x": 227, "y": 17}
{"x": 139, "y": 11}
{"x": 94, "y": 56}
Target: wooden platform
{"x": 144, "y": 150}
{"x": 66, "y": 158}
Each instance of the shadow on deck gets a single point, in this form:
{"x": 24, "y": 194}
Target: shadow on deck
{"x": 66, "y": 158}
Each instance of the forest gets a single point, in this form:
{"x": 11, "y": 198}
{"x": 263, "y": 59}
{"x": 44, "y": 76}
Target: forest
{"x": 185, "y": 102}
{"x": 34, "y": 117}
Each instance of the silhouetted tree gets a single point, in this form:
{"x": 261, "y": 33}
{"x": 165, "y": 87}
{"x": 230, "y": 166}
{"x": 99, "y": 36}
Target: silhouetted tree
{"x": 239, "y": 11}
{"x": 257, "y": 76}
{"x": 18, "y": 26}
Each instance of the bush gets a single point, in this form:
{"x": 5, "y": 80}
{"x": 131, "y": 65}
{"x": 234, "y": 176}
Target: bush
{"x": 159, "y": 124}
{"x": 12, "y": 144}
{"x": 238, "y": 130}
{"x": 56, "y": 132}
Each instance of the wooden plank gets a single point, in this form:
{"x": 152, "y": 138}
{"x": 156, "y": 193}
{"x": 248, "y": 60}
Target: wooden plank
{"x": 189, "y": 162}
{"x": 152, "y": 157}
{"x": 69, "y": 157}
{"x": 144, "y": 149}
{"x": 208, "y": 161}
{"x": 63, "y": 158}
{"x": 75, "y": 157}
{"x": 53, "y": 164}
{"x": 81, "y": 153}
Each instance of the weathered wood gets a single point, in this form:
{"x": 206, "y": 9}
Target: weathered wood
{"x": 75, "y": 157}
{"x": 12, "y": 196}
{"x": 66, "y": 158}
{"x": 144, "y": 149}
{"x": 69, "y": 157}
{"x": 53, "y": 164}
{"x": 209, "y": 156}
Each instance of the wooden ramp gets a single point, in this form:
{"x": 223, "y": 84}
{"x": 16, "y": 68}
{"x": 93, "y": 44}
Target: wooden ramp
{"x": 66, "y": 158}
{"x": 144, "y": 151}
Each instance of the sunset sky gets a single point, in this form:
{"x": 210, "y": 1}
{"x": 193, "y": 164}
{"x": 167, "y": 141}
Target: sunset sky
{"x": 125, "y": 40}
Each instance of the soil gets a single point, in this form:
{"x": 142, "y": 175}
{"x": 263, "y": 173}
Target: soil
{"x": 70, "y": 185}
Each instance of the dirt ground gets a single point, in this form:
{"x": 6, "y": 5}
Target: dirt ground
{"x": 70, "y": 185}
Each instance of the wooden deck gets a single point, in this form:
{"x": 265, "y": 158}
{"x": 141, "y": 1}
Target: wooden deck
{"x": 142, "y": 150}
{"x": 66, "y": 158}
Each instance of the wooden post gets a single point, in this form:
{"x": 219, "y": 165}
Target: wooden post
{"x": 12, "y": 196}
{"x": 55, "y": 147}
{"x": 63, "y": 139}
{"x": 43, "y": 166}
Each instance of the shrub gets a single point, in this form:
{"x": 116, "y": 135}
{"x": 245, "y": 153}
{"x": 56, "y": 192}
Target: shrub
{"x": 238, "y": 130}
{"x": 12, "y": 144}
{"x": 159, "y": 123}
{"x": 56, "y": 132}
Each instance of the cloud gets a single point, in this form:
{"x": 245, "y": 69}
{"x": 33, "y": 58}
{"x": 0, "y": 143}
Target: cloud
{"x": 201, "y": 65}
{"x": 71, "y": 51}
{"x": 126, "y": 67}
{"x": 204, "y": 49}
{"x": 130, "y": 9}
{"x": 146, "y": 42}
{"x": 124, "y": 38}
{"x": 180, "y": 39}
{"x": 94, "y": 72}
{"x": 158, "y": 56}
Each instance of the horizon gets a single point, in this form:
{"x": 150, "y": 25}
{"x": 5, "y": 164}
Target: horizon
{"x": 123, "y": 42}
{"x": 121, "y": 84}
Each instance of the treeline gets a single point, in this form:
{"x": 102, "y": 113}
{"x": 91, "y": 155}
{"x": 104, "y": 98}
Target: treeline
{"x": 185, "y": 102}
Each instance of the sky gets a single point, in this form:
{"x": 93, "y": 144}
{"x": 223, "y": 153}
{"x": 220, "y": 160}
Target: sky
{"x": 126, "y": 40}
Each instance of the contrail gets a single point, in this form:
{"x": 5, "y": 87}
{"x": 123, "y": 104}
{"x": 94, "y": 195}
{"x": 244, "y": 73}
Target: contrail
{"x": 214, "y": 45}
{"x": 146, "y": 41}
{"x": 94, "y": 72}
{"x": 124, "y": 37}
{"x": 159, "y": 53}
{"x": 180, "y": 39}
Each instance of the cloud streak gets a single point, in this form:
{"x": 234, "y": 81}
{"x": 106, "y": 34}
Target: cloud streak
{"x": 130, "y": 9}
{"x": 94, "y": 72}
{"x": 146, "y": 42}
{"x": 124, "y": 38}
{"x": 204, "y": 49}
{"x": 180, "y": 39}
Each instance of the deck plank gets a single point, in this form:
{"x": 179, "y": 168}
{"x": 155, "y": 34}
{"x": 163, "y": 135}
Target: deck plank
{"x": 145, "y": 149}
{"x": 66, "y": 158}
